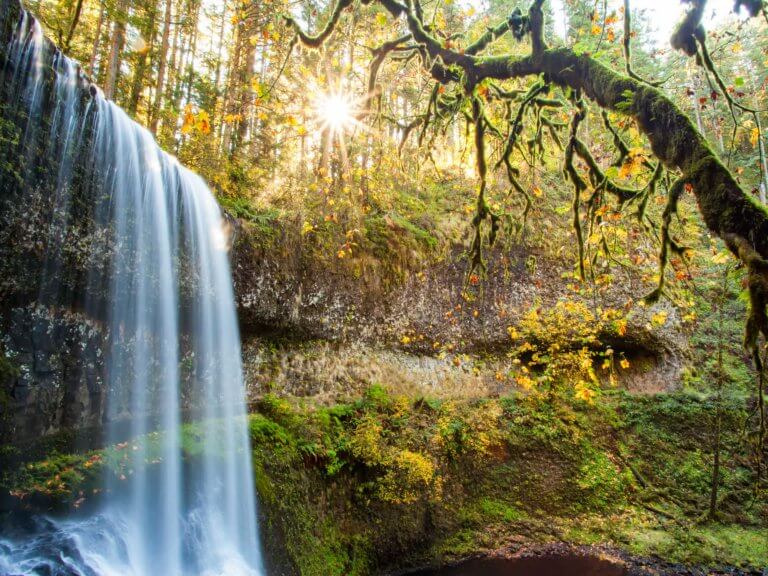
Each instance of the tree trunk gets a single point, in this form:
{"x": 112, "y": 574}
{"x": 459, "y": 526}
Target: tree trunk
{"x": 73, "y": 25}
{"x": 763, "y": 162}
{"x": 215, "y": 120}
{"x": 193, "y": 52}
{"x": 232, "y": 89}
{"x": 155, "y": 115}
{"x": 142, "y": 61}
{"x": 96, "y": 42}
{"x": 115, "y": 50}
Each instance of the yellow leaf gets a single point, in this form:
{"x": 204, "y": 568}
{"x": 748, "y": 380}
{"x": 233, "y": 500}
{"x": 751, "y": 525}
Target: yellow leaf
{"x": 754, "y": 136}
{"x": 660, "y": 318}
{"x": 524, "y": 382}
{"x": 203, "y": 122}
{"x": 584, "y": 392}
{"x": 632, "y": 163}
{"x": 624, "y": 363}
{"x": 720, "y": 258}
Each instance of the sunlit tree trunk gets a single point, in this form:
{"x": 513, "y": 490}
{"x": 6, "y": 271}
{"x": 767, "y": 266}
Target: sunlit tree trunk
{"x": 215, "y": 117}
{"x": 96, "y": 41}
{"x": 245, "y": 97}
{"x": 192, "y": 53}
{"x": 143, "y": 58}
{"x": 232, "y": 87}
{"x": 172, "y": 64}
{"x": 115, "y": 50}
{"x": 73, "y": 25}
{"x": 763, "y": 162}
{"x": 164, "y": 41}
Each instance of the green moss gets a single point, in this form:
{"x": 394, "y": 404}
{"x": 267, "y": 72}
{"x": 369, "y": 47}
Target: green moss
{"x": 708, "y": 545}
{"x": 602, "y": 482}
{"x": 489, "y": 510}
{"x": 388, "y": 234}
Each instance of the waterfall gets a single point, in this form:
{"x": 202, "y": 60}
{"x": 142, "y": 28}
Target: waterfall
{"x": 160, "y": 285}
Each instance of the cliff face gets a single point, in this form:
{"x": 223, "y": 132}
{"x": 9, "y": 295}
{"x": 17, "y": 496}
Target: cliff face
{"x": 424, "y": 325}
{"x": 310, "y": 327}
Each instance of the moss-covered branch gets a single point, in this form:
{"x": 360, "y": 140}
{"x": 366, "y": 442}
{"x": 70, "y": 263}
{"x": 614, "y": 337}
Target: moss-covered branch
{"x": 317, "y": 40}
{"x": 726, "y": 208}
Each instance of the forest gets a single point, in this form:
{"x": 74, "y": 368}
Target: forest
{"x": 383, "y": 287}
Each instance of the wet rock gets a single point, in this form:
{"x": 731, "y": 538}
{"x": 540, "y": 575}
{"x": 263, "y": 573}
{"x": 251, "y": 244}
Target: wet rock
{"x": 45, "y": 362}
{"x": 58, "y": 355}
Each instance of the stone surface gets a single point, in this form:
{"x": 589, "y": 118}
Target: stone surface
{"x": 57, "y": 384}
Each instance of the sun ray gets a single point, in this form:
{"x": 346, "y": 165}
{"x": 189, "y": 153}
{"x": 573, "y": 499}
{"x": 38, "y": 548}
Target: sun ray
{"x": 337, "y": 112}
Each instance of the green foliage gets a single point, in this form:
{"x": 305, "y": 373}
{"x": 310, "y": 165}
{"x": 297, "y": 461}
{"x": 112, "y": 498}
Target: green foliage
{"x": 265, "y": 220}
{"x": 385, "y": 231}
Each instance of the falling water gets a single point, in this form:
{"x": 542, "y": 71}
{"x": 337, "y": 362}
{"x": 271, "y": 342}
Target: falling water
{"x": 161, "y": 286}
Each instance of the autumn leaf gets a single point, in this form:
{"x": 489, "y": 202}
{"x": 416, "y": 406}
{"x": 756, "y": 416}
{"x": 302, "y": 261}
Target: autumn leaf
{"x": 203, "y": 122}
{"x": 632, "y": 163}
{"x": 720, "y": 258}
{"x": 624, "y": 363}
{"x": 583, "y": 392}
{"x": 660, "y": 318}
